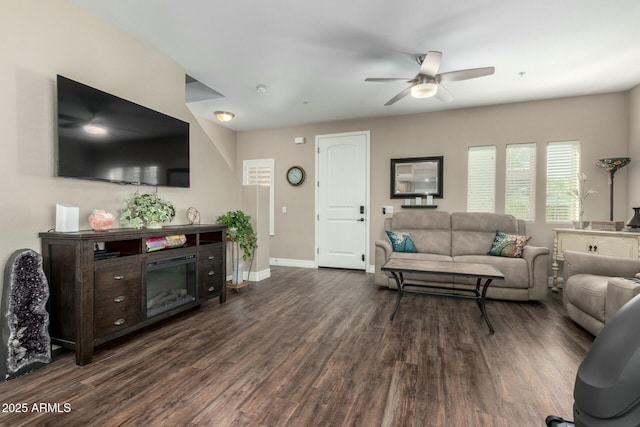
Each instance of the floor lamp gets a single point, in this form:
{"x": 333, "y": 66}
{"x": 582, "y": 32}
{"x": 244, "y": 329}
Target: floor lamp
{"x": 612, "y": 165}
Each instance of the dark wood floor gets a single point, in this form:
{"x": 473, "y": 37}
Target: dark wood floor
{"x": 316, "y": 347}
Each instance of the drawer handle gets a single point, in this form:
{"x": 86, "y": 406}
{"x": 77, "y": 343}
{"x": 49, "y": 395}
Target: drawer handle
{"x": 211, "y": 289}
{"x": 119, "y": 277}
{"x": 211, "y": 257}
{"x": 119, "y": 298}
{"x": 119, "y": 322}
{"x": 211, "y": 273}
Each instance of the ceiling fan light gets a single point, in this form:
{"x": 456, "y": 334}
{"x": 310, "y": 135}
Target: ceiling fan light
{"x": 224, "y": 116}
{"x": 424, "y": 90}
{"x": 94, "y": 129}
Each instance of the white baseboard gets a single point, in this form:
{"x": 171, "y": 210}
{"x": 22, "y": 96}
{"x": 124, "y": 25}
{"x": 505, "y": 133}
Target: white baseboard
{"x": 287, "y": 262}
{"x": 302, "y": 263}
{"x": 257, "y": 276}
{"x": 254, "y": 276}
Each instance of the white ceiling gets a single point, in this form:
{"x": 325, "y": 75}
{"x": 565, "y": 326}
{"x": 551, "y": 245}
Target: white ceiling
{"x": 313, "y": 56}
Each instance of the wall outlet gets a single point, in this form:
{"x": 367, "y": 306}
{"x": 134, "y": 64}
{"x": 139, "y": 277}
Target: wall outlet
{"x": 387, "y": 210}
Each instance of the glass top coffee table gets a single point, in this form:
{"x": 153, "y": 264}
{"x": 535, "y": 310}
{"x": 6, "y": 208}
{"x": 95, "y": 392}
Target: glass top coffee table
{"x": 480, "y": 272}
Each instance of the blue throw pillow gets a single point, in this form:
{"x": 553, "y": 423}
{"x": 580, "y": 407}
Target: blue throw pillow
{"x": 508, "y": 245}
{"x": 401, "y": 242}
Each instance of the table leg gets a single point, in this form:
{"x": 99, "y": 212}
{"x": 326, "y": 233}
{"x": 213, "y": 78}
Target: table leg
{"x": 483, "y": 309}
{"x": 400, "y": 283}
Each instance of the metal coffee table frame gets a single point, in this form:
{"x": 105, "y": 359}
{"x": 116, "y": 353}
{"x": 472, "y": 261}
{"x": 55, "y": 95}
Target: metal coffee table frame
{"x": 480, "y": 272}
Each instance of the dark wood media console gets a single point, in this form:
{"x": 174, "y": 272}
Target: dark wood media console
{"x": 99, "y": 295}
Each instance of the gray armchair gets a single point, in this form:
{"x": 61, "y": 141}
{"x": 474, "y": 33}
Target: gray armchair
{"x": 594, "y": 288}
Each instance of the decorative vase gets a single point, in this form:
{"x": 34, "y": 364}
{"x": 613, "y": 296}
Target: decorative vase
{"x": 238, "y": 271}
{"x": 101, "y": 220}
{"x": 634, "y": 221}
{"x": 580, "y": 225}
{"x": 154, "y": 225}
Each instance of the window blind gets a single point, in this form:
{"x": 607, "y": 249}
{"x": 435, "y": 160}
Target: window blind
{"x": 481, "y": 179}
{"x": 563, "y": 167}
{"x": 260, "y": 172}
{"x": 520, "y": 181}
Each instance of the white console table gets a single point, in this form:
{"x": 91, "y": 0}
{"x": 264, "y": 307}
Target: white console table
{"x": 613, "y": 243}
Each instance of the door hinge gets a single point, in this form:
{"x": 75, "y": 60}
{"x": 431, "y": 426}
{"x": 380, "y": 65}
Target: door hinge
{"x": 362, "y": 257}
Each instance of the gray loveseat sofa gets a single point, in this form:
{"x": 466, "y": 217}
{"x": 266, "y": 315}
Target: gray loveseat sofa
{"x": 466, "y": 237}
{"x": 594, "y": 288}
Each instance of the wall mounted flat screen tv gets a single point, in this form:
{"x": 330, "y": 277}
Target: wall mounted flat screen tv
{"x": 104, "y": 137}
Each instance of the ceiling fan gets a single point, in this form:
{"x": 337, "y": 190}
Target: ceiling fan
{"x": 427, "y": 82}
{"x": 94, "y": 124}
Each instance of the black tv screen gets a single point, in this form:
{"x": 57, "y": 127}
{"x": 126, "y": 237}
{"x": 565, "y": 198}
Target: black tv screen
{"x": 104, "y": 137}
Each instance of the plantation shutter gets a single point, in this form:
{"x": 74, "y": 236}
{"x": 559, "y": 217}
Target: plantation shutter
{"x": 481, "y": 179}
{"x": 563, "y": 167}
{"x": 520, "y": 181}
{"x": 260, "y": 172}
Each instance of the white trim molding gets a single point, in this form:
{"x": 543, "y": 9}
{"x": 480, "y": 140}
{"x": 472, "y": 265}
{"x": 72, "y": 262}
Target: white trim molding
{"x": 256, "y": 276}
{"x": 253, "y": 276}
{"x": 287, "y": 262}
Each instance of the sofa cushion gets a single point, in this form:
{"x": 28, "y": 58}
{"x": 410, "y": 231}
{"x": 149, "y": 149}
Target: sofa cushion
{"x": 472, "y": 233}
{"x": 588, "y": 293}
{"x": 515, "y": 270}
{"x": 508, "y": 245}
{"x": 429, "y": 230}
{"x": 401, "y": 242}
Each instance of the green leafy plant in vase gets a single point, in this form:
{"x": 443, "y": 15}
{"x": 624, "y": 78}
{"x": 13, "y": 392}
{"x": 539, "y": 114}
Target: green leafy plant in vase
{"x": 240, "y": 230}
{"x": 147, "y": 210}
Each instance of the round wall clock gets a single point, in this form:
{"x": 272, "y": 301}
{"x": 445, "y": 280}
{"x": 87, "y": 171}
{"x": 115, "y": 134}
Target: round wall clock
{"x": 295, "y": 175}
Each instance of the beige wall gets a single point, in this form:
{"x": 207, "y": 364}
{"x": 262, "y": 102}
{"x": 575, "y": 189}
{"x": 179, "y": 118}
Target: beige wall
{"x": 634, "y": 150}
{"x": 255, "y": 203}
{"x": 600, "y": 122}
{"x": 39, "y": 39}
{"x": 42, "y": 39}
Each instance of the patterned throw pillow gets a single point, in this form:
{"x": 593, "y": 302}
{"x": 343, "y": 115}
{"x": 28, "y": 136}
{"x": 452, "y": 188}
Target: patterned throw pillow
{"x": 401, "y": 242}
{"x": 508, "y": 245}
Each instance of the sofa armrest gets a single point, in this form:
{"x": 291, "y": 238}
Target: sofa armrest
{"x": 383, "y": 253}
{"x": 619, "y": 292}
{"x": 599, "y": 265}
{"x": 386, "y": 248}
{"x": 531, "y": 252}
{"x": 538, "y": 260}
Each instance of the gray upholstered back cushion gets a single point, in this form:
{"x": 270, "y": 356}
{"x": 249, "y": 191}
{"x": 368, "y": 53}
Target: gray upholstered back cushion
{"x": 429, "y": 230}
{"x": 473, "y": 232}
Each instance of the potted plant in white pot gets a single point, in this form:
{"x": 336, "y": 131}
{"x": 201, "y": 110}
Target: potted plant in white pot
{"x": 241, "y": 233}
{"x": 147, "y": 210}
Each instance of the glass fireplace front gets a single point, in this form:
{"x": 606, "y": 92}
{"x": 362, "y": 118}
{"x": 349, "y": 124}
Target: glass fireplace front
{"x": 171, "y": 283}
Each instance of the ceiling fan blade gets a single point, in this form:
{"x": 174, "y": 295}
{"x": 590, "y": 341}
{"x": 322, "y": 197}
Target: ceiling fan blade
{"x": 431, "y": 63}
{"x": 387, "y": 79}
{"x": 398, "y": 97}
{"x": 443, "y": 94}
{"x": 70, "y": 125}
{"x": 471, "y": 73}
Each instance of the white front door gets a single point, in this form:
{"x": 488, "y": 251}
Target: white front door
{"x": 342, "y": 194}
